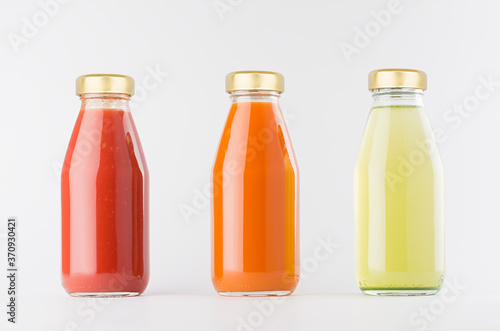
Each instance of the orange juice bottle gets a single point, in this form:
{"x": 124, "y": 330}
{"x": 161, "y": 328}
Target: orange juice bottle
{"x": 255, "y": 202}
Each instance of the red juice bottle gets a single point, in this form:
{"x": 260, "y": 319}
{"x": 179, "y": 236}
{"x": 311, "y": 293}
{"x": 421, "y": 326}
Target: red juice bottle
{"x": 105, "y": 195}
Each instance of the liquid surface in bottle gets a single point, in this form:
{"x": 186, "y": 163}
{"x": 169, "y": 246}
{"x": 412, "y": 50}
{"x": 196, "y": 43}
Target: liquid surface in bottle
{"x": 105, "y": 206}
{"x": 398, "y": 187}
{"x": 255, "y": 203}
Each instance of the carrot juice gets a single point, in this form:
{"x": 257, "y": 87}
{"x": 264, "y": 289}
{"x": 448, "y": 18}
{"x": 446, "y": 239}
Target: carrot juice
{"x": 104, "y": 189}
{"x": 255, "y": 207}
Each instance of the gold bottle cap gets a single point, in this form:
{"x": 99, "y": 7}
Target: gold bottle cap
{"x": 396, "y": 78}
{"x": 255, "y": 81}
{"x": 105, "y": 83}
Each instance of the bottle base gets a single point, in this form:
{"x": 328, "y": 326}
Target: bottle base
{"x": 400, "y": 292}
{"x": 103, "y": 294}
{"x": 256, "y": 294}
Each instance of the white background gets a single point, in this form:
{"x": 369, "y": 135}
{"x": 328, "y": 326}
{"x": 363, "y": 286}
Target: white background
{"x": 180, "y": 121}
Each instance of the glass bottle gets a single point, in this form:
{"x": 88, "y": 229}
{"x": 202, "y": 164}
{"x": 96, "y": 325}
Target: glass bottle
{"x": 105, "y": 195}
{"x": 255, "y": 202}
{"x": 398, "y": 191}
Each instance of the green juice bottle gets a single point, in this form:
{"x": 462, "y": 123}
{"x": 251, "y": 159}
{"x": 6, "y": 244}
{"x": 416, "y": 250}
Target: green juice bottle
{"x": 398, "y": 191}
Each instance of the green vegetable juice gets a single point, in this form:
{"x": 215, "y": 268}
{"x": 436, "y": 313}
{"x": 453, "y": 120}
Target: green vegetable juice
{"x": 398, "y": 189}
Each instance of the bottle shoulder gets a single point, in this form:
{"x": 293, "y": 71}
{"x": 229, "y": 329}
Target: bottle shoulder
{"x": 397, "y": 132}
{"x": 255, "y": 134}
{"x": 105, "y": 139}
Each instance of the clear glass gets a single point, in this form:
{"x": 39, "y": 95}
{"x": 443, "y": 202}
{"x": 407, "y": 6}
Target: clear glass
{"x": 105, "y": 202}
{"x": 255, "y": 202}
{"x": 398, "y": 199}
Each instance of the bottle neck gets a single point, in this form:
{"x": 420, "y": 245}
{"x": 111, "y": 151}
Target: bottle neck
{"x": 115, "y": 101}
{"x": 254, "y": 96}
{"x": 398, "y": 97}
